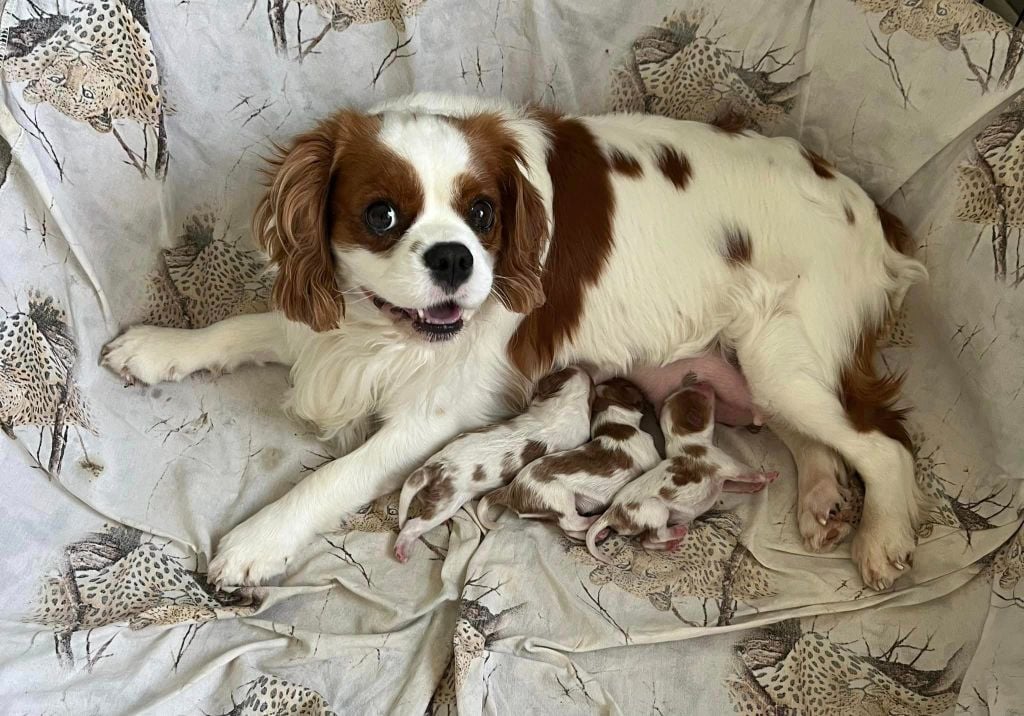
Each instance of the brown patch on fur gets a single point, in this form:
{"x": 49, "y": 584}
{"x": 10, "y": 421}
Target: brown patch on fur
{"x": 848, "y": 211}
{"x": 821, "y": 167}
{"x": 549, "y": 386}
{"x": 582, "y": 206}
{"x": 510, "y": 467}
{"x": 674, "y": 165}
{"x": 479, "y": 474}
{"x": 870, "y": 398}
{"x": 591, "y": 459}
{"x": 521, "y": 228}
{"x": 626, "y": 165}
{"x": 619, "y": 392}
{"x": 533, "y": 450}
{"x": 896, "y": 234}
{"x": 296, "y": 220}
{"x": 737, "y": 249}
{"x": 688, "y": 471}
{"x": 730, "y": 122}
{"x": 520, "y": 498}
{"x": 438, "y": 490}
{"x": 689, "y": 410}
{"x": 667, "y": 493}
{"x": 621, "y": 521}
{"x": 695, "y": 450}
{"x": 615, "y": 431}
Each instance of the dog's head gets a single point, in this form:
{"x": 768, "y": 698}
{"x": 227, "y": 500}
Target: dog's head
{"x": 424, "y": 216}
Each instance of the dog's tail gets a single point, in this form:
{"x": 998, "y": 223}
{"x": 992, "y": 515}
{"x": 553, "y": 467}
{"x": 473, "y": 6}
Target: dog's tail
{"x": 416, "y": 482}
{"x": 902, "y": 269}
{"x": 495, "y": 498}
{"x": 596, "y": 531}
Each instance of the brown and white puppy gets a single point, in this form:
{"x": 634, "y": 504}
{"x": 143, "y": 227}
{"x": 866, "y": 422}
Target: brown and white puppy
{"x": 481, "y": 460}
{"x": 661, "y": 504}
{"x": 568, "y": 485}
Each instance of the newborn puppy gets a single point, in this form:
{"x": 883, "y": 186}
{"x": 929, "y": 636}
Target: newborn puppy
{"x": 566, "y": 485}
{"x": 661, "y": 503}
{"x": 481, "y": 460}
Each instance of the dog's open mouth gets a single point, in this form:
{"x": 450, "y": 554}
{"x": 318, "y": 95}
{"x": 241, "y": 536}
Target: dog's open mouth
{"x": 436, "y": 323}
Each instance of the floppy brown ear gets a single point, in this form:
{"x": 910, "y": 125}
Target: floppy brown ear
{"x": 291, "y": 224}
{"x": 524, "y": 235}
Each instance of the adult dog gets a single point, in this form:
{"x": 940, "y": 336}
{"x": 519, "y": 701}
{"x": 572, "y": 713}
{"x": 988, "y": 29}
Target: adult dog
{"x": 439, "y": 254}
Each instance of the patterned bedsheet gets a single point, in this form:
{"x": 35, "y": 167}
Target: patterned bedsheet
{"x": 131, "y": 135}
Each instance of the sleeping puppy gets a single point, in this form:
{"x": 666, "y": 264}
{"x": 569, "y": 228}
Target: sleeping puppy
{"x": 567, "y": 485}
{"x": 661, "y": 503}
{"x": 481, "y": 460}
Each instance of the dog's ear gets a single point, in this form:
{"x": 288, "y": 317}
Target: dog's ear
{"x": 524, "y": 228}
{"x": 291, "y": 223}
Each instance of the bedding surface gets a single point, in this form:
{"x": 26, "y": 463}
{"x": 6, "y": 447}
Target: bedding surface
{"x": 131, "y": 137}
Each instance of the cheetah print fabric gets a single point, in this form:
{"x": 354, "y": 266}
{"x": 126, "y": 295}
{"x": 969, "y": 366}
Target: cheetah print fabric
{"x": 97, "y": 66}
{"x": 114, "y": 499}
{"x": 944, "y": 21}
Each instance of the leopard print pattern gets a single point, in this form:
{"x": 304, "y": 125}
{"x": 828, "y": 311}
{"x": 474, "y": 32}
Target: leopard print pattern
{"x": 991, "y": 179}
{"x": 271, "y": 695}
{"x": 205, "y": 278}
{"x": 790, "y": 672}
{"x": 1009, "y": 563}
{"x": 675, "y": 71}
{"x": 344, "y": 13}
{"x": 114, "y": 577}
{"x": 96, "y": 67}
{"x": 476, "y": 627}
{"x": 37, "y": 354}
{"x": 381, "y": 515}
{"x": 943, "y": 20}
{"x": 694, "y": 569}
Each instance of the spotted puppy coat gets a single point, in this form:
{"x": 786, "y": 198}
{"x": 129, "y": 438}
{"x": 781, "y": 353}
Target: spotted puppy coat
{"x": 568, "y": 485}
{"x": 660, "y": 504}
{"x": 478, "y": 461}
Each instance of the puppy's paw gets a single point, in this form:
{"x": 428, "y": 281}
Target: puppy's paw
{"x": 255, "y": 551}
{"x": 148, "y": 354}
{"x": 884, "y": 552}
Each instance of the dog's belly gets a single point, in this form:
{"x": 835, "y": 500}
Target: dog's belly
{"x": 733, "y": 405}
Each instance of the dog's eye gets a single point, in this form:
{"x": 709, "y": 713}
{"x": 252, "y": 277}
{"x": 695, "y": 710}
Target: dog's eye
{"x": 481, "y": 215}
{"x": 380, "y": 217}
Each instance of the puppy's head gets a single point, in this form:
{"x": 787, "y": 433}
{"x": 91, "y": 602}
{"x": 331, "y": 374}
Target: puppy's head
{"x": 690, "y": 410}
{"x": 621, "y": 393}
{"x": 419, "y": 217}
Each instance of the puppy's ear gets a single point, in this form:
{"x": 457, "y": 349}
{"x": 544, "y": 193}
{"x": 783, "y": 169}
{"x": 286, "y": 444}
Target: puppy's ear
{"x": 291, "y": 223}
{"x": 524, "y": 235}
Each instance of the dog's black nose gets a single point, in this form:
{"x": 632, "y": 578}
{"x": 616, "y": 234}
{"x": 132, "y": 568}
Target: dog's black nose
{"x": 450, "y": 264}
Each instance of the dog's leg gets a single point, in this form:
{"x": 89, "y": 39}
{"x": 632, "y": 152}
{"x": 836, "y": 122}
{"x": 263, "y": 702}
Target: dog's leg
{"x": 788, "y": 378}
{"x": 258, "y": 548}
{"x": 822, "y": 482}
{"x": 150, "y": 354}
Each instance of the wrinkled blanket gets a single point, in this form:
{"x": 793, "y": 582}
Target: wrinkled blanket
{"x": 131, "y": 136}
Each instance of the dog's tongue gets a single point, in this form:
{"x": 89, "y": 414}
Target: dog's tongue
{"x": 446, "y": 313}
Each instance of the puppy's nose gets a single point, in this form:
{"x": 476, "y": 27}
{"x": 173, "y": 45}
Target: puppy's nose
{"x": 450, "y": 264}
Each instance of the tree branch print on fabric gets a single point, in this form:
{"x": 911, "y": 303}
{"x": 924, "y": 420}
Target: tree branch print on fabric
{"x": 681, "y": 69}
{"x": 96, "y": 65}
{"x": 37, "y": 386}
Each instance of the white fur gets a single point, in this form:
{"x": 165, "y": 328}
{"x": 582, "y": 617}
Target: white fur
{"x": 840, "y": 277}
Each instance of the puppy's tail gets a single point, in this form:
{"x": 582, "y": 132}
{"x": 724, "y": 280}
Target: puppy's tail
{"x": 495, "y": 498}
{"x": 416, "y": 482}
{"x": 597, "y": 530}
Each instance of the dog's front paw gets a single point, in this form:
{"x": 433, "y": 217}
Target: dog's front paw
{"x": 148, "y": 354}
{"x": 255, "y": 551}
